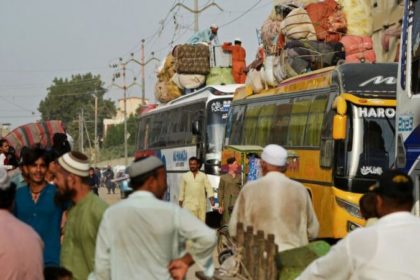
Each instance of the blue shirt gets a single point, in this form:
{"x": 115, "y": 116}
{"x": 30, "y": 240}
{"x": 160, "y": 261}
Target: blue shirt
{"x": 44, "y": 217}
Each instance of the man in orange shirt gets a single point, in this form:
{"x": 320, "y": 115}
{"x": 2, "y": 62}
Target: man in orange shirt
{"x": 238, "y": 60}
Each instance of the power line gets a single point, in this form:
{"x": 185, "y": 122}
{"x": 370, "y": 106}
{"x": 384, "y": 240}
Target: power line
{"x": 241, "y": 15}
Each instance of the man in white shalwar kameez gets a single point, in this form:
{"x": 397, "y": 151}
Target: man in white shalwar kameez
{"x": 144, "y": 237}
{"x": 276, "y": 204}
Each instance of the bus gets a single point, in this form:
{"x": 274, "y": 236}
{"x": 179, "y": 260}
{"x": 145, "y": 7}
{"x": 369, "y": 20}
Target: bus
{"x": 337, "y": 124}
{"x": 191, "y": 125}
{"x": 408, "y": 96}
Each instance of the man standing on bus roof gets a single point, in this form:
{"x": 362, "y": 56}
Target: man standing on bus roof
{"x": 276, "y": 204}
{"x": 386, "y": 250}
{"x": 194, "y": 190}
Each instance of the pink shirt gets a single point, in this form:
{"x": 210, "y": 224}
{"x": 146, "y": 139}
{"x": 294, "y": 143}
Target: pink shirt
{"x": 20, "y": 249}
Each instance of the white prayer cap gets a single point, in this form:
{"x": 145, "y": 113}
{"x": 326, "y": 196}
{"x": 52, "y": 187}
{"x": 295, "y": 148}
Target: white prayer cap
{"x": 237, "y": 39}
{"x": 144, "y": 166}
{"x": 214, "y": 26}
{"x": 274, "y": 155}
{"x": 75, "y": 163}
{"x": 4, "y": 179}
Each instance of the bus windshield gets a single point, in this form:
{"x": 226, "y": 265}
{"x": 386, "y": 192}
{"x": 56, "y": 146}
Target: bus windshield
{"x": 217, "y": 112}
{"x": 369, "y": 149}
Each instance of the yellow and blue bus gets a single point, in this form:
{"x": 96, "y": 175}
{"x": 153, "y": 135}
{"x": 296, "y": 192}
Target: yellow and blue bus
{"x": 339, "y": 125}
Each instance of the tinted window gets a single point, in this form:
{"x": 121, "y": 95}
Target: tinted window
{"x": 298, "y": 119}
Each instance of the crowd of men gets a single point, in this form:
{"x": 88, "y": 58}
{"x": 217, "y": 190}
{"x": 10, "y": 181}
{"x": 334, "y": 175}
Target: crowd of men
{"x": 53, "y": 226}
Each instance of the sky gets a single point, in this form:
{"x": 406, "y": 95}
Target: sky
{"x": 41, "y": 40}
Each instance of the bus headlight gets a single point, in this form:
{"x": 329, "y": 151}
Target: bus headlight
{"x": 351, "y": 226}
{"x": 351, "y": 208}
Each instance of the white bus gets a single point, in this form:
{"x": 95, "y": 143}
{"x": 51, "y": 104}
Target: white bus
{"x": 191, "y": 125}
{"x": 408, "y": 95}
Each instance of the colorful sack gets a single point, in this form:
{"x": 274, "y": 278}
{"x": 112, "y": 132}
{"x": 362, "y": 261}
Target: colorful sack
{"x": 270, "y": 31}
{"x": 358, "y": 49}
{"x": 298, "y": 26}
{"x": 303, "y": 56}
{"x": 359, "y": 17}
{"x": 220, "y": 76}
{"x": 188, "y": 81}
{"x": 34, "y": 133}
{"x": 291, "y": 263}
{"x": 192, "y": 59}
{"x": 166, "y": 91}
{"x": 328, "y": 20}
{"x": 167, "y": 69}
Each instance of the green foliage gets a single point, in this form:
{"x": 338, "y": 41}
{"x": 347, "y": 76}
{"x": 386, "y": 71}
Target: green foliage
{"x": 66, "y": 98}
{"x": 115, "y": 134}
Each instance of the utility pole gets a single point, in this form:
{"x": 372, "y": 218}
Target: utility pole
{"x": 196, "y": 11}
{"x": 81, "y": 131}
{"x": 142, "y": 64}
{"x": 96, "y": 146}
{"x": 124, "y": 87}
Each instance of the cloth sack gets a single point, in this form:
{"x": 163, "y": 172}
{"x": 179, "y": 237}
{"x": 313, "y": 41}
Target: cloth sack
{"x": 220, "y": 76}
{"x": 358, "y": 49}
{"x": 166, "y": 91}
{"x": 328, "y": 19}
{"x": 255, "y": 81}
{"x": 192, "y": 59}
{"x": 298, "y": 26}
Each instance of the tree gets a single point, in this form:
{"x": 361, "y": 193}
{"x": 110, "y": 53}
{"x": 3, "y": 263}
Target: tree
{"x": 115, "y": 133}
{"x": 66, "y": 98}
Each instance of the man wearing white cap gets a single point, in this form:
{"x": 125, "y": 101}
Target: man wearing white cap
{"x": 276, "y": 204}
{"x": 205, "y": 36}
{"x": 72, "y": 181}
{"x": 143, "y": 237}
{"x": 20, "y": 246}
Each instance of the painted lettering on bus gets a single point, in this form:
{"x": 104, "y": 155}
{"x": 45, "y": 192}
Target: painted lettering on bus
{"x": 220, "y": 106}
{"x": 374, "y": 112}
{"x": 180, "y": 156}
{"x": 379, "y": 80}
{"x": 375, "y": 170}
{"x": 405, "y": 122}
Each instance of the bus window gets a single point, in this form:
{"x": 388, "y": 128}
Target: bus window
{"x": 315, "y": 119}
{"x": 298, "y": 120}
{"x": 235, "y": 125}
{"x": 265, "y": 121}
{"x": 378, "y": 146}
{"x": 251, "y": 124}
{"x": 140, "y": 134}
{"x": 158, "y": 132}
{"x": 183, "y": 127}
{"x": 195, "y": 113}
{"x": 174, "y": 128}
{"x": 216, "y": 121}
{"x": 281, "y": 117}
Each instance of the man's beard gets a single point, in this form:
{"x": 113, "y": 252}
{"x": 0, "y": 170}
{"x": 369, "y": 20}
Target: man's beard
{"x": 64, "y": 198}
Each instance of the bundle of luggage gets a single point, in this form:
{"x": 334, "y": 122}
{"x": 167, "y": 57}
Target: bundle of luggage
{"x": 300, "y": 38}
{"x": 190, "y": 67}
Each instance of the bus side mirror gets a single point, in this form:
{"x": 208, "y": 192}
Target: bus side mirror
{"x": 195, "y": 128}
{"x": 339, "y": 127}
